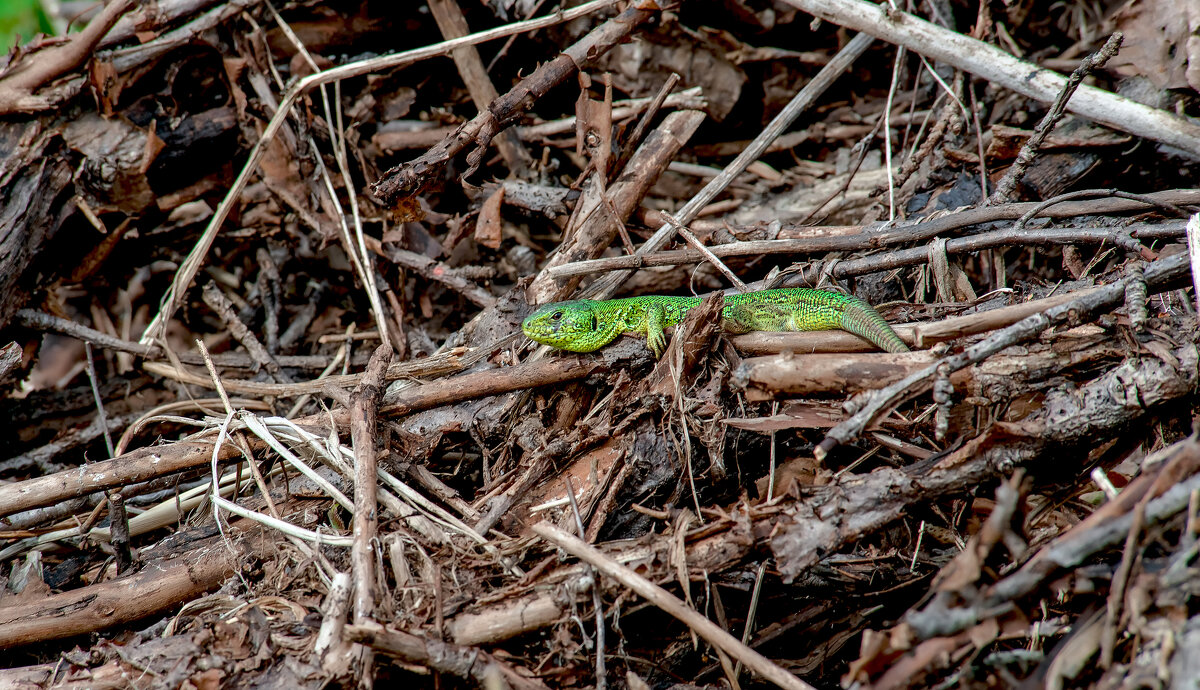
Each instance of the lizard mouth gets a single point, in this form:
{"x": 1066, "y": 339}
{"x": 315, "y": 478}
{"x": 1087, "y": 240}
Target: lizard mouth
{"x": 542, "y": 332}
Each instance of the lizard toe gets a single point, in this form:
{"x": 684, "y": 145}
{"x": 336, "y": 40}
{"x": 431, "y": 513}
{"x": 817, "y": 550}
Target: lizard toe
{"x": 658, "y": 344}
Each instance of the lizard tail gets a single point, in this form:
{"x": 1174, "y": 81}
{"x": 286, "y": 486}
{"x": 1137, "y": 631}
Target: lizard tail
{"x": 861, "y": 319}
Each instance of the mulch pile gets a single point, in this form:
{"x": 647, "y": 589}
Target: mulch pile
{"x": 288, "y": 248}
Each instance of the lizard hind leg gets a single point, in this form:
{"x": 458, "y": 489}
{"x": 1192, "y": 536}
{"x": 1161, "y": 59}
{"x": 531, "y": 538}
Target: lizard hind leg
{"x": 737, "y": 318}
{"x": 747, "y": 317}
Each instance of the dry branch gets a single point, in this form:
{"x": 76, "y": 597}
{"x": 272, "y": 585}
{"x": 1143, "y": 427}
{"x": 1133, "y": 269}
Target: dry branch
{"x": 453, "y": 24}
{"x": 489, "y": 382}
{"x": 822, "y": 239}
{"x": 808, "y": 374}
{"x": 158, "y": 586}
{"x": 465, "y": 662}
{"x": 993, "y": 64}
{"x": 364, "y": 404}
{"x": 1160, "y": 274}
{"x": 135, "y": 466}
{"x": 23, "y": 78}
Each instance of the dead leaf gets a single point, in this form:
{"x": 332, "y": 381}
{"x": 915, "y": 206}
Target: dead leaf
{"x": 1160, "y": 43}
{"x": 488, "y": 228}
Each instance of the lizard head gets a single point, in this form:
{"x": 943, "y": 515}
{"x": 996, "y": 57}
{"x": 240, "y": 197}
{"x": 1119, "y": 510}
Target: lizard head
{"x": 565, "y": 325}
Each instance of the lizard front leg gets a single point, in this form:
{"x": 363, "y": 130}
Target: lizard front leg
{"x": 655, "y": 320}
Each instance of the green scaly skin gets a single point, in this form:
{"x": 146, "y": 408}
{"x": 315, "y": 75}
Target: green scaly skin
{"x": 588, "y": 325}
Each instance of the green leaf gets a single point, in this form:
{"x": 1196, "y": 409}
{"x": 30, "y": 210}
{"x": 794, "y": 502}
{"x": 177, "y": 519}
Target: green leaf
{"x": 21, "y": 20}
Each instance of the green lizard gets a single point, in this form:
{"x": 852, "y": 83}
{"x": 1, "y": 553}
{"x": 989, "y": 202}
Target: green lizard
{"x": 587, "y": 325}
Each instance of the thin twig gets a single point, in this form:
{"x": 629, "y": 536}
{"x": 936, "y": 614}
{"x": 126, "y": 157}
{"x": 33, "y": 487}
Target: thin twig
{"x": 748, "y": 630}
{"x": 597, "y": 604}
{"x": 100, "y": 413}
{"x": 1125, "y": 237}
{"x": 1149, "y": 199}
{"x": 356, "y": 247}
{"x": 1193, "y": 245}
{"x": 219, "y": 303}
{"x": 365, "y": 404}
{"x": 897, "y": 62}
{"x": 709, "y": 256}
{"x": 635, "y": 137}
{"x": 1008, "y": 184}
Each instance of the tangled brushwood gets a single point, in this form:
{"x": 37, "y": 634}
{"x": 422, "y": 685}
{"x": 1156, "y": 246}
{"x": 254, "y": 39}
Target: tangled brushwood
{"x": 268, "y": 417}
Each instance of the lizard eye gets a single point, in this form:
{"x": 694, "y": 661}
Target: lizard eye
{"x": 556, "y": 315}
